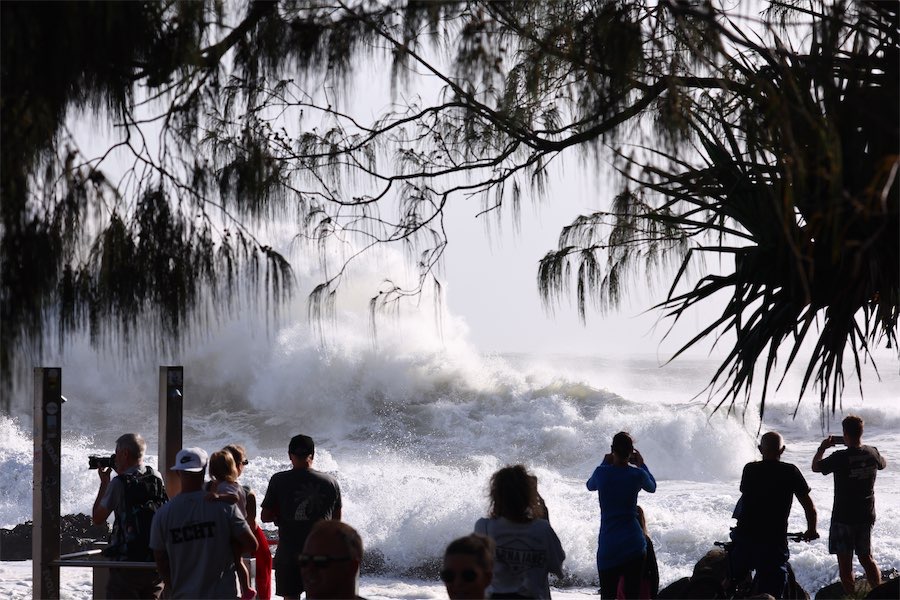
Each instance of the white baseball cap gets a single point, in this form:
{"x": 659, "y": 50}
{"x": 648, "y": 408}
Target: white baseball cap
{"x": 190, "y": 459}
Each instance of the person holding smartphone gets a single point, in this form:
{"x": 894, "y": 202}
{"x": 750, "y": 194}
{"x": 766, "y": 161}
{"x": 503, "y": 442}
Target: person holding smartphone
{"x": 853, "y": 514}
{"x": 621, "y": 544}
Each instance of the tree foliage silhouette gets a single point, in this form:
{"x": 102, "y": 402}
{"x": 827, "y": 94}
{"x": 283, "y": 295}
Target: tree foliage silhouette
{"x": 771, "y": 139}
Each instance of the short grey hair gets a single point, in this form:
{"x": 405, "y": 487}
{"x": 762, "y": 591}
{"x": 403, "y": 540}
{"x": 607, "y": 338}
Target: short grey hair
{"x": 771, "y": 441}
{"x": 133, "y": 442}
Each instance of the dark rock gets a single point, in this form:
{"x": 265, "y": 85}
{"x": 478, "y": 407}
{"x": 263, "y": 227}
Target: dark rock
{"x": 710, "y": 580}
{"x": 373, "y": 563}
{"x": 15, "y": 543}
{"x": 889, "y": 590}
{"x": 428, "y": 569}
{"x": 889, "y": 577}
{"x": 676, "y": 590}
{"x": 77, "y": 534}
{"x": 834, "y": 591}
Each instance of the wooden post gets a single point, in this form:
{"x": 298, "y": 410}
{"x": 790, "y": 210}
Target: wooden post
{"x": 171, "y": 409}
{"x": 46, "y": 483}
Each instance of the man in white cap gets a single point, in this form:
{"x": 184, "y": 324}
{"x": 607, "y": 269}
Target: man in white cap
{"x": 192, "y": 537}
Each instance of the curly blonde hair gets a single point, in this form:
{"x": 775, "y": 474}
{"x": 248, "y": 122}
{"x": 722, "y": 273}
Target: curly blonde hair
{"x": 513, "y": 494}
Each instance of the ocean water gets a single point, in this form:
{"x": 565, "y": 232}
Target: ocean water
{"x": 414, "y": 429}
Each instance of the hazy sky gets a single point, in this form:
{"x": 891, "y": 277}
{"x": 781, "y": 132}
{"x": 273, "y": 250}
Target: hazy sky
{"x": 492, "y": 280}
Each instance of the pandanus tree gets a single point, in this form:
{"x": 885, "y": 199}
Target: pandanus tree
{"x": 791, "y": 170}
{"x": 769, "y": 139}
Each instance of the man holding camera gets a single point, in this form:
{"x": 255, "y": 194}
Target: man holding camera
{"x": 133, "y": 495}
{"x": 853, "y": 514}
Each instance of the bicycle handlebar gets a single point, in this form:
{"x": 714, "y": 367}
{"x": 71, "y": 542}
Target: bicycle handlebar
{"x": 793, "y": 536}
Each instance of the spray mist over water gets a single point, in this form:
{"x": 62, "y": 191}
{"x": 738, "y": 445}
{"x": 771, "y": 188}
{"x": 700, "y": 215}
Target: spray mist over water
{"x": 414, "y": 424}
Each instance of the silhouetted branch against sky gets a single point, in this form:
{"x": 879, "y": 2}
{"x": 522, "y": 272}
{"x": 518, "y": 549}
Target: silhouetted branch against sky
{"x": 769, "y": 140}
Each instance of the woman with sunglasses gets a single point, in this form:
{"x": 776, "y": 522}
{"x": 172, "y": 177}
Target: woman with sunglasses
{"x": 468, "y": 567}
{"x": 263, "y": 554}
{"x": 526, "y": 547}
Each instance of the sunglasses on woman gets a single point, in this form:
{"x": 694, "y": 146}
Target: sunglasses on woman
{"x": 467, "y": 575}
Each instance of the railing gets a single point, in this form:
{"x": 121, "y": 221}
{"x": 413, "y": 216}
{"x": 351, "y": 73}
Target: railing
{"x": 101, "y": 565}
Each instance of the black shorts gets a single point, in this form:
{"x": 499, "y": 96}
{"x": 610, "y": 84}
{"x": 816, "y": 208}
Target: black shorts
{"x": 133, "y": 583}
{"x": 846, "y": 538}
{"x": 288, "y": 581}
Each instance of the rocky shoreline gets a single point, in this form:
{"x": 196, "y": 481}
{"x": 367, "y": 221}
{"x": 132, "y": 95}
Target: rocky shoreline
{"x": 77, "y": 534}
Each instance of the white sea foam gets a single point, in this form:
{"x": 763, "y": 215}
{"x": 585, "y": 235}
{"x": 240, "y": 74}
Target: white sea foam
{"x": 414, "y": 427}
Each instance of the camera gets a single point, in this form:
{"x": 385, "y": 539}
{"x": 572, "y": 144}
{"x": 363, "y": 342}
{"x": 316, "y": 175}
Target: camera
{"x": 101, "y": 462}
{"x": 838, "y": 439}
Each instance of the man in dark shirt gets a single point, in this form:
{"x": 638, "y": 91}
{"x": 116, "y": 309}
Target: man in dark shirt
{"x": 854, "y": 500}
{"x": 295, "y": 500}
{"x": 768, "y": 488}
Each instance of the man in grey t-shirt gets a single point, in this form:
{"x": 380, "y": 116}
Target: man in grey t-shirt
{"x": 192, "y": 537}
{"x": 129, "y": 495}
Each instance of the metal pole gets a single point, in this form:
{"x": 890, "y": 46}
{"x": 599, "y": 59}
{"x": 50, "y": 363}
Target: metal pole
{"x": 46, "y": 484}
{"x": 171, "y": 410}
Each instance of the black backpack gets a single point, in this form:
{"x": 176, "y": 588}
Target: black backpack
{"x": 143, "y": 494}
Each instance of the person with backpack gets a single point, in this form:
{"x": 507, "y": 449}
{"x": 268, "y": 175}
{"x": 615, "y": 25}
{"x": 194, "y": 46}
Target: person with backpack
{"x": 133, "y": 495}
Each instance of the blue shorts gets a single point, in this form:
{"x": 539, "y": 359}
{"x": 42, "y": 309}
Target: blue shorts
{"x": 846, "y": 538}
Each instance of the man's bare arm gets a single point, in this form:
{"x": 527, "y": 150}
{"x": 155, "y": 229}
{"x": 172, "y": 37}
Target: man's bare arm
{"x": 811, "y": 517}
{"x": 162, "y": 567}
{"x": 100, "y": 513}
{"x": 247, "y": 541}
{"x": 817, "y": 459}
{"x": 251, "y": 510}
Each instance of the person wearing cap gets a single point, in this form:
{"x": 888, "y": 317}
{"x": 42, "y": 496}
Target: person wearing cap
{"x": 295, "y": 501}
{"x": 621, "y": 544}
{"x": 192, "y": 539}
